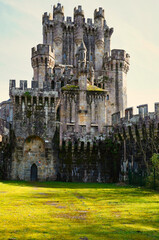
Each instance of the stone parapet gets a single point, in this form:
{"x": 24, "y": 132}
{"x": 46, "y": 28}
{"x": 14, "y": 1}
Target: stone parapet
{"x": 43, "y": 49}
{"x": 58, "y": 9}
{"x": 119, "y": 54}
{"x": 142, "y": 116}
{"x": 78, "y": 11}
{"x": 99, "y": 13}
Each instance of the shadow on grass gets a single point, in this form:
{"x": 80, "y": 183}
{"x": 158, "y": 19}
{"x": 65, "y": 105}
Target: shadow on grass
{"x": 70, "y": 185}
{"x": 113, "y": 188}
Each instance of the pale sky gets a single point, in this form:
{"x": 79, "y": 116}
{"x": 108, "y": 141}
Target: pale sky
{"x": 136, "y": 30}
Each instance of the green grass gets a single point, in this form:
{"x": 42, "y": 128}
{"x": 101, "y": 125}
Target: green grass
{"x": 54, "y": 210}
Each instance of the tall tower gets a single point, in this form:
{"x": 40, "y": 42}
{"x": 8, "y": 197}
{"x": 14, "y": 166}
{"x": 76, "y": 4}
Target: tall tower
{"x": 82, "y": 82}
{"x": 58, "y": 18}
{"x": 107, "y": 39}
{"x": 82, "y": 70}
{"x": 117, "y": 67}
{"x": 99, "y": 38}
{"x": 47, "y": 28}
{"x": 43, "y": 62}
{"x": 78, "y": 26}
{"x": 120, "y": 61}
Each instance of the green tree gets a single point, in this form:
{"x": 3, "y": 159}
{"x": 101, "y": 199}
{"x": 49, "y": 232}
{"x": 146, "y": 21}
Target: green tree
{"x": 153, "y": 178}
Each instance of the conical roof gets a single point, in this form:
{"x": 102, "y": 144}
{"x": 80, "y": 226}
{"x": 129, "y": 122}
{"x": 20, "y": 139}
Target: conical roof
{"x": 82, "y": 47}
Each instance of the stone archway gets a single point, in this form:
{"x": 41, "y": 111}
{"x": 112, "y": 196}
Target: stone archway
{"x": 34, "y": 161}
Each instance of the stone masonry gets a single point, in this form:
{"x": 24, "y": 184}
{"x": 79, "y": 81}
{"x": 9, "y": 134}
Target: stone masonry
{"x": 78, "y": 83}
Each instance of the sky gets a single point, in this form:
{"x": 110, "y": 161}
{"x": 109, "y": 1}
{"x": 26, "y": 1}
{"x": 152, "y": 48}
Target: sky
{"x": 136, "y": 30}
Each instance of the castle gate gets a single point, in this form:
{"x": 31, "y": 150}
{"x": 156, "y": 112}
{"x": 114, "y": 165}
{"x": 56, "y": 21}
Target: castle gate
{"x": 34, "y": 159}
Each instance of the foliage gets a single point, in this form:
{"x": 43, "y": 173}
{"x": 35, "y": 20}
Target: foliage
{"x": 153, "y": 178}
{"x": 155, "y": 162}
{"x": 27, "y": 94}
{"x": 54, "y": 210}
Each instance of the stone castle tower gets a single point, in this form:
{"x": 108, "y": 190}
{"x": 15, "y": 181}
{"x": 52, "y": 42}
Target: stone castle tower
{"x": 78, "y": 83}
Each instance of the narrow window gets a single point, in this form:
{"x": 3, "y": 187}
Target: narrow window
{"x": 40, "y": 100}
{"x": 52, "y": 102}
{"x": 34, "y": 100}
{"x": 17, "y": 100}
{"x": 52, "y": 85}
{"x": 46, "y": 101}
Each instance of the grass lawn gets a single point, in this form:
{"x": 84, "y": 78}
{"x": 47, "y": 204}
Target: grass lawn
{"x": 55, "y": 210}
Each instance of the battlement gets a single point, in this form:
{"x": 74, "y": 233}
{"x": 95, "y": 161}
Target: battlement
{"x": 118, "y": 54}
{"x": 99, "y": 13}
{"x": 89, "y": 21}
{"x": 69, "y": 20}
{"x": 42, "y": 49}
{"x": 130, "y": 118}
{"x": 33, "y": 91}
{"x": 47, "y": 17}
{"x": 109, "y": 31}
{"x": 58, "y": 9}
{"x": 78, "y": 11}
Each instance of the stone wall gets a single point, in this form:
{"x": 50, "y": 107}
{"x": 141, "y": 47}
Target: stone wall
{"x": 97, "y": 162}
{"x": 34, "y": 126}
{"x": 139, "y": 139}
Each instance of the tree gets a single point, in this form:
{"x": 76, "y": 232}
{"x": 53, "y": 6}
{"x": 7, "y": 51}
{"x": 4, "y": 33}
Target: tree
{"x": 153, "y": 178}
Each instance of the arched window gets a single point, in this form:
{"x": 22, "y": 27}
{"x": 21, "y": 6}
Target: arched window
{"x": 52, "y": 84}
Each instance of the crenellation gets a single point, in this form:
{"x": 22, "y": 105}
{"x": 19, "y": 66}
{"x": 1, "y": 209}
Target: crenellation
{"x": 23, "y": 84}
{"x": 142, "y": 116}
{"x": 143, "y": 110}
{"x": 12, "y": 84}
{"x": 42, "y": 49}
{"x": 89, "y": 22}
{"x": 69, "y": 20}
{"x": 99, "y": 13}
{"x": 58, "y": 10}
{"x": 46, "y": 18}
{"x": 78, "y": 11}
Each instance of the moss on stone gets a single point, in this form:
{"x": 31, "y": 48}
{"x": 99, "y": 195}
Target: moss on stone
{"x": 94, "y": 88}
{"x": 69, "y": 88}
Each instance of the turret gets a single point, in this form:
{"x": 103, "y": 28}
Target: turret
{"x": 78, "y": 20}
{"x": 120, "y": 67}
{"x": 58, "y": 12}
{"x": 82, "y": 82}
{"x": 47, "y": 32}
{"x": 78, "y": 31}
{"x": 99, "y": 38}
{"x": 107, "y": 39}
{"x": 43, "y": 62}
{"x": 58, "y": 17}
{"x": 82, "y": 70}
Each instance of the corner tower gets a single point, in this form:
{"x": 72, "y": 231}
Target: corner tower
{"x": 78, "y": 26}
{"x": 99, "y": 38}
{"x": 120, "y": 68}
{"x": 58, "y": 18}
{"x": 43, "y": 62}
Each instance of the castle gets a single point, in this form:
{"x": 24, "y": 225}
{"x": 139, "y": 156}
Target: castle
{"x": 78, "y": 84}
